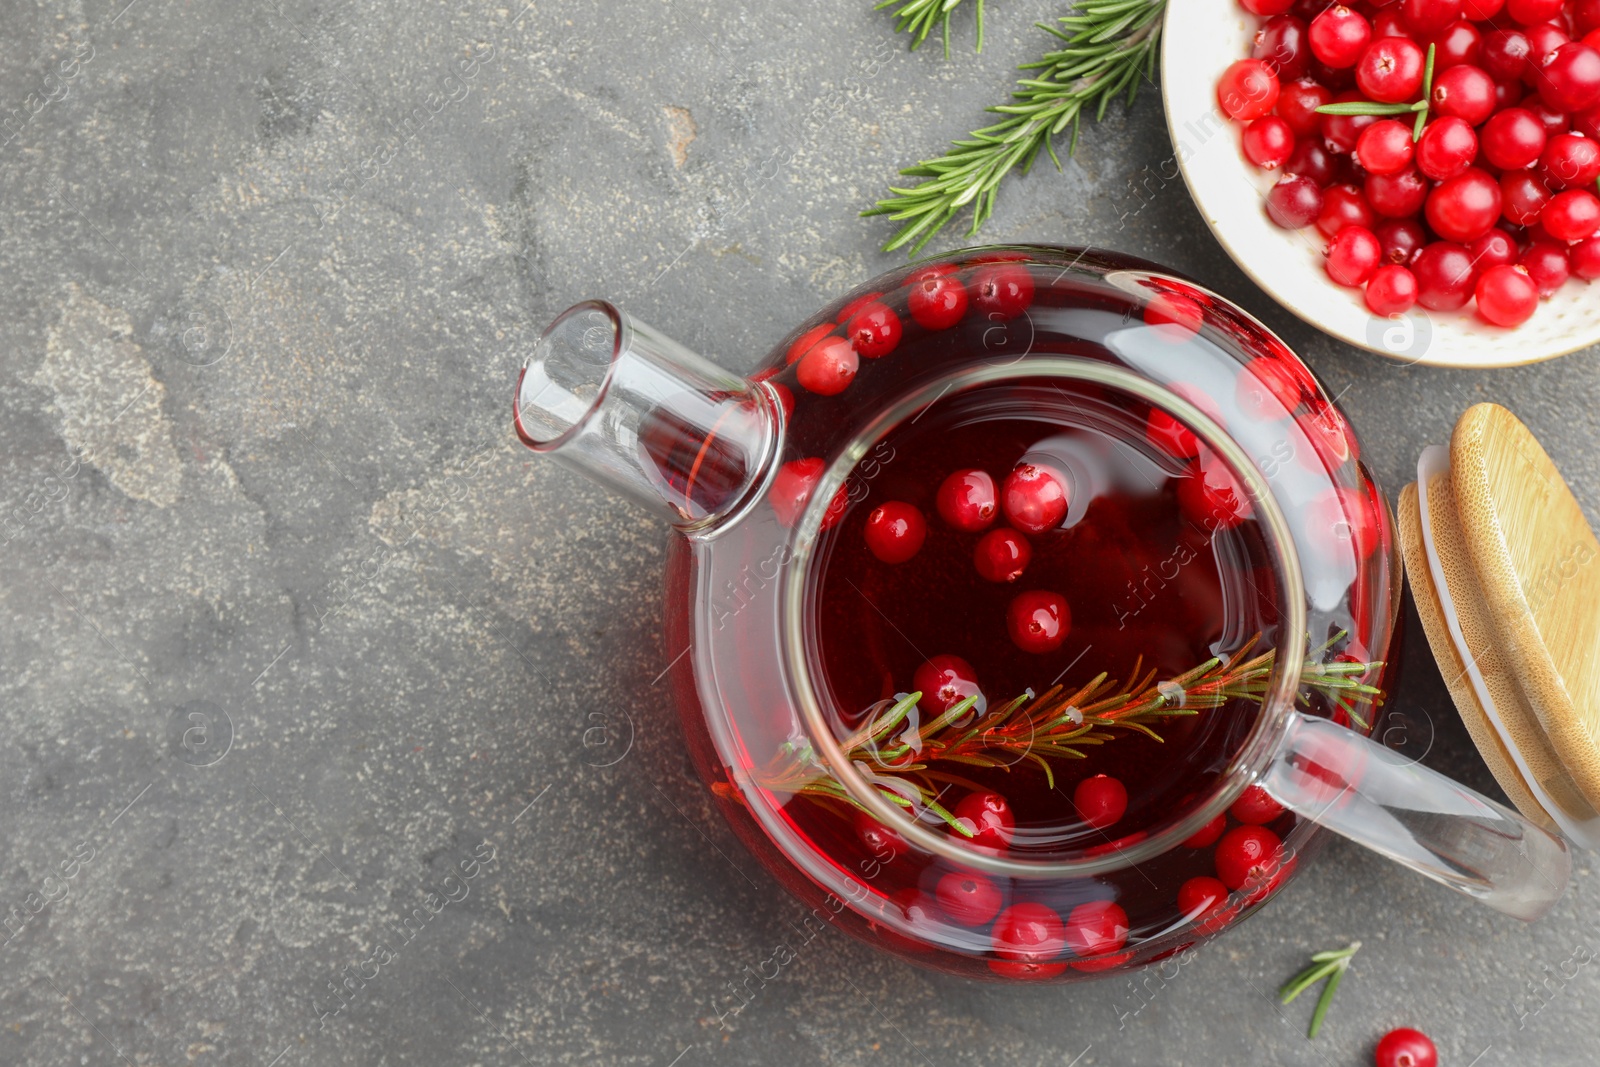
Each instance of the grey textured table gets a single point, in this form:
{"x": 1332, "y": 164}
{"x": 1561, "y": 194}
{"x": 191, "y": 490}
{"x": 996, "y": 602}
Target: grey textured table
{"x": 293, "y": 630}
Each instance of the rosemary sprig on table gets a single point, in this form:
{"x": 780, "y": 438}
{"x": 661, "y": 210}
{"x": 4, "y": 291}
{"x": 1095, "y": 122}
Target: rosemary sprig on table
{"x": 920, "y": 17}
{"x": 1108, "y": 47}
{"x": 907, "y": 760}
{"x": 1324, "y": 965}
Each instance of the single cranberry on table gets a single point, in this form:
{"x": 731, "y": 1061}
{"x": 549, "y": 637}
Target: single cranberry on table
{"x": 937, "y": 302}
{"x": 1002, "y": 555}
{"x": 1294, "y": 202}
{"x": 1571, "y": 215}
{"x": 1255, "y": 807}
{"x": 1268, "y": 142}
{"x": 1101, "y": 800}
{"x": 1029, "y": 939}
{"x": 1338, "y": 36}
{"x": 1034, "y": 498}
{"x": 967, "y": 500}
{"x": 1038, "y": 621}
{"x": 944, "y": 681}
{"x": 895, "y": 531}
{"x": 1464, "y": 208}
{"x": 1445, "y": 276}
{"x": 1390, "y": 70}
{"x": 874, "y": 330}
{"x": 968, "y": 898}
{"x": 1353, "y": 254}
{"x": 1406, "y": 1047}
{"x": 829, "y": 367}
{"x": 1506, "y": 296}
{"x": 1392, "y": 290}
{"x": 1002, "y": 291}
{"x": 988, "y": 817}
{"x": 1547, "y": 265}
{"x": 1247, "y": 90}
{"x": 1247, "y": 855}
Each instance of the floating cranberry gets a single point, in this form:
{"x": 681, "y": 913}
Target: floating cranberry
{"x": 1385, "y": 147}
{"x": 883, "y": 842}
{"x": 1338, "y": 36}
{"x": 1248, "y": 89}
{"x": 1445, "y": 276}
{"x": 1034, "y": 498}
{"x": 874, "y": 330}
{"x": 967, "y": 898}
{"x": 1570, "y": 161}
{"x": 1255, "y": 807}
{"x": 1097, "y": 927}
{"x": 895, "y": 531}
{"x": 1406, "y": 1048}
{"x": 1211, "y": 495}
{"x": 1298, "y": 102}
{"x": 967, "y": 500}
{"x": 1512, "y": 139}
{"x": 1038, "y": 621}
{"x": 1344, "y": 522}
{"x": 944, "y": 682}
{"x": 792, "y": 487}
{"x": 1390, "y": 70}
{"x": 1572, "y": 215}
{"x": 1028, "y": 938}
{"x": 1002, "y": 291}
{"x": 1392, "y": 290}
{"x": 829, "y": 367}
{"x": 988, "y": 817}
{"x": 1101, "y": 800}
{"x": 1547, "y": 265}
{"x": 1571, "y": 78}
{"x": 1268, "y": 142}
{"x": 1294, "y": 202}
{"x": 1355, "y": 253}
{"x": 1543, "y": 41}
{"x": 1523, "y": 195}
{"x": 808, "y": 340}
{"x": 1002, "y": 555}
{"x": 1268, "y": 388}
{"x": 1201, "y": 897}
{"x": 1506, "y": 296}
{"x": 1178, "y": 317}
{"x": 1207, "y": 835}
{"x": 1465, "y": 207}
{"x": 937, "y": 302}
{"x": 850, "y": 310}
{"x": 1171, "y": 436}
{"x": 1332, "y": 443}
{"x": 1247, "y": 854}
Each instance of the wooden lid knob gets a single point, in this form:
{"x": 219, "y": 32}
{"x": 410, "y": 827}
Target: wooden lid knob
{"x": 1506, "y": 575}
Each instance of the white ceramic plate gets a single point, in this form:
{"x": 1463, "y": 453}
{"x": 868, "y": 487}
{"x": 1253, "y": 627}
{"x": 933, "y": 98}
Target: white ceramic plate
{"x": 1201, "y": 38}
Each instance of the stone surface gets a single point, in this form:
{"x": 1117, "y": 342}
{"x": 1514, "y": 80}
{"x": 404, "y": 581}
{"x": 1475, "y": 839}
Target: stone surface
{"x": 293, "y": 629}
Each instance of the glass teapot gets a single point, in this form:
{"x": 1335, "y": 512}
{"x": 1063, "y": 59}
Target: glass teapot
{"x": 1035, "y": 609}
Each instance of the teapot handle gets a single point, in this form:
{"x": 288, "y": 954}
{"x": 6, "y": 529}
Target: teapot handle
{"x": 1414, "y": 816}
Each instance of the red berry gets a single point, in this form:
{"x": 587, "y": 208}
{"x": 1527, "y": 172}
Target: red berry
{"x": 1297, "y": 105}
{"x": 849, "y": 311}
{"x": 1100, "y": 800}
{"x": 1097, "y": 927}
{"x": 1179, "y": 317}
{"x": 1034, "y": 499}
{"x": 1543, "y": 41}
{"x": 1281, "y": 44}
{"x": 1547, "y": 265}
{"x": 1002, "y": 555}
{"x": 1493, "y": 249}
{"x": 1396, "y": 196}
{"x": 1247, "y": 854}
{"x": 967, "y": 897}
{"x": 1211, "y": 495}
{"x": 1505, "y": 54}
{"x": 1344, "y": 522}
{"x": 1507, "y": 94}
{"x": 1038, "y": 621}
{"x": 1506, "y": 296}
{"x": 1512, "y": 139}
{"x": 1028, "y": 938}
{"x": 1171, "y": 436}
{"x": 1392, "y": 290}
{"x": 944, "y": 682}
{"x": 1428, "y": 17}
{"x": 1585, "y": 259}
{"x": 1402, "y": 239}
{"x": 1445, "y": 276}
{"x": 1447, "y": 148}
{"x": 792, "y": 487}
{"x": 879, "y": 839}
{"x": 1533, "y": 12}
{"x": 1248, "y": 89}
{"x": 1457, "y": 44}
{"x": 1390, "y": 70}
{"x": 829, "y": 367}
{"x": 1338, "y": 36}
{"x": 808, "y": 340}
{"x": 874, "y": 330}
{"x": 1481, "y": 10}
{"x": 1385, "y": 147}
{"x": 1294, "y": 202}
{"x": 1587, "y": 123}
{"x": 1002, "y": 291}
{"x": 1406, "y": 1048}
{"x": 1355, "y": 253}
{"x": 988, "y": 817}
{"x": 1388, "y": 23}
{"x": 1344, "y": 205}
{"x": 937, "y": 303}
{"x": 1570, "y": 78}
{"x": 1268, "y": 142}
{"x": 1267, "y": 388}
{"x": 1255, "y": 807}
{"x": 1266, "y": 8}
{"x": 1341, "y": 133}
{"x": 1332, "y": 442}
{"x": 1523, "y": 196}
{"x": 1200, "y": 897}
{"x": 967, "y": 500}
{"x": 1570, "y": 161}
{"x": 895, "y": 531}
{"x": 1207, "y": 835}
{"x": 1312, "y": 160}
{"x": 1465, "y": 92}
{"x": 1465, "y": 207}
{"x": 1571, "y": 215}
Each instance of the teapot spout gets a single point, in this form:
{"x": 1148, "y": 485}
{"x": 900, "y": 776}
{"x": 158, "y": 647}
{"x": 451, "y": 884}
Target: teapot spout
{"x": 617, "y": 401}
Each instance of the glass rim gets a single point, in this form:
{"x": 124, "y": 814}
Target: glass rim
{"x": 1247, "y": 762}
{"x": 620, "y": 328}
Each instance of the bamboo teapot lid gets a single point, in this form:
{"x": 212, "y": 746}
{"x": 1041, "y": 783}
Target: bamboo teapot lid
{"x": 1506, "y": 575}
